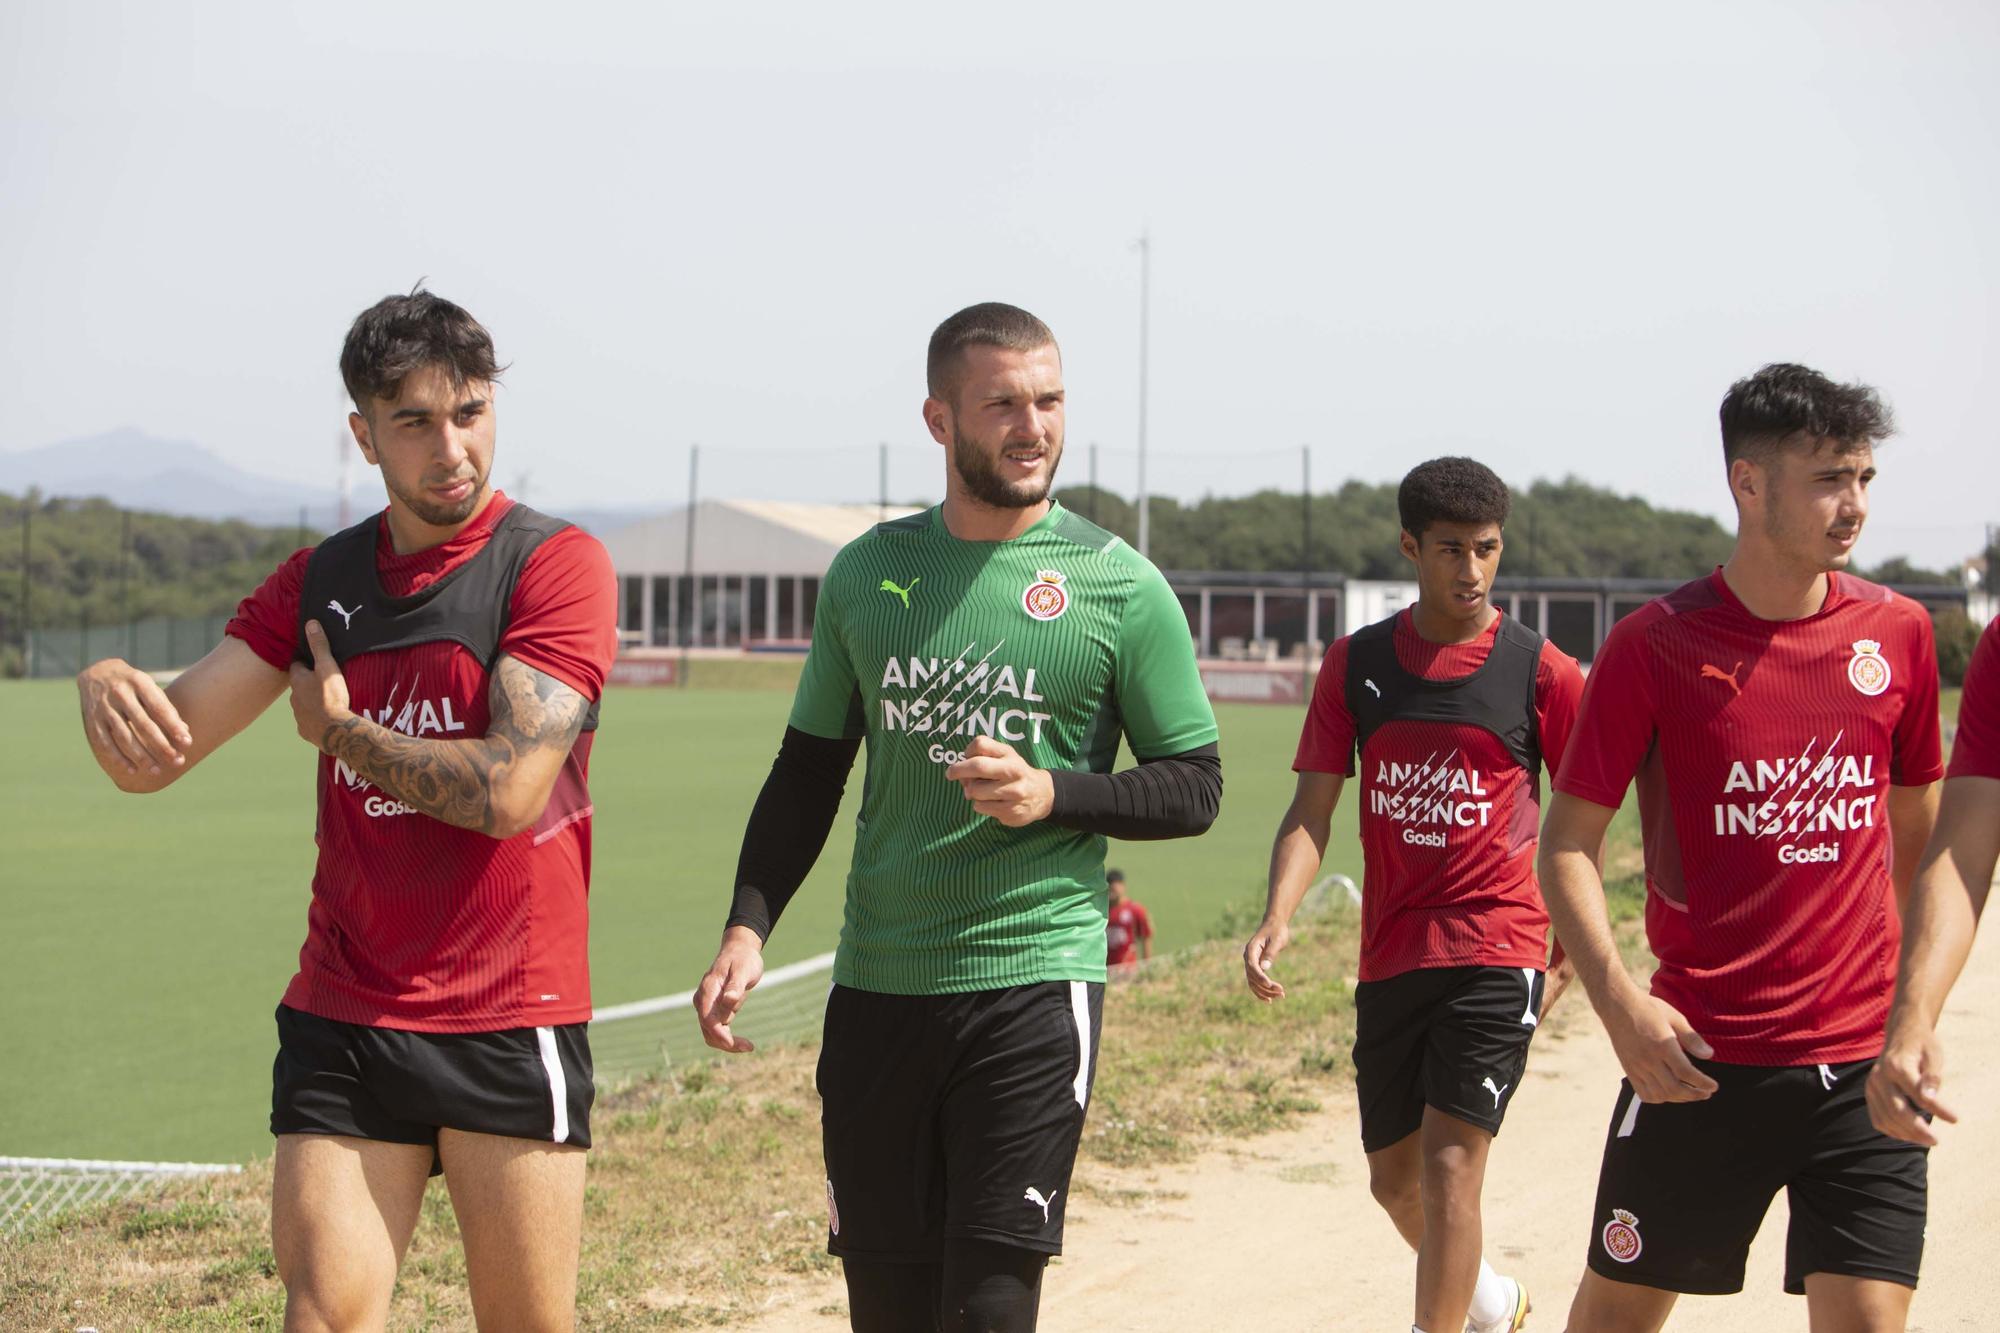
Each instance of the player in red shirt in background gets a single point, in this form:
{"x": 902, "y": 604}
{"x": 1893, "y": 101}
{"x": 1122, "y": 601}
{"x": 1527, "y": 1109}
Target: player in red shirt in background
{"x": 457, "y": 644}
{"x": 1453, "y": 709}
{"x": 1128, "y": 931}
{"x": 1780, "y": 717}
{"x": 1945, "y": 902}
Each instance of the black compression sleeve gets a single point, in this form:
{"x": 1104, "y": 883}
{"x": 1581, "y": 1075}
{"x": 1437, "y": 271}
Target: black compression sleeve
{"x": 1172, "y": 797}
{"x": 788, "y": 826}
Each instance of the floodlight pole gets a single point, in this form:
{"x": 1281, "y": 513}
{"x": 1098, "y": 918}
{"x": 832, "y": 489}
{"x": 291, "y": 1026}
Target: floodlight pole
{"x": 1145, "y": 321}
{"x": 27, "y": 613}
{"x": 125, "y": 582}
{"x": 1306, "y": 566}
{"x": 687, "y": 563}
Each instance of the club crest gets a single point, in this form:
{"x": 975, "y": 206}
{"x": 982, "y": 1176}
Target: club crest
{"x": 1046, "y": 598}
{"x": 1868, "y": 670}
{"x": 1621, "y": 1236}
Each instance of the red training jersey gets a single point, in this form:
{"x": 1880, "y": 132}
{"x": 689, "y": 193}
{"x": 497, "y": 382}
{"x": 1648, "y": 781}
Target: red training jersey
{"x": 1764, "y": 752}
{"x": 1976, "y": 752}
{"x": 415, "y": 923}
{"x": 1449, "y": 878}
{"x": 1126, "y": 926}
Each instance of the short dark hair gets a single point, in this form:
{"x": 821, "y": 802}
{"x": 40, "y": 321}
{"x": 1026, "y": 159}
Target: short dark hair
{"x": 401, "y": 334}
{"x": 1451, "y": 490}
{"x": 1784, "y": 401}
{"x": 988, "y": 324}
{"x": 1110, "y": 875}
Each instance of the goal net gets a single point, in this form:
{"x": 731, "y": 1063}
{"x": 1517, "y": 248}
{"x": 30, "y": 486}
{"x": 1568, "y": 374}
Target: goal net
{"x": 36, "y": 1188}
{"x": 629, "y": 1041}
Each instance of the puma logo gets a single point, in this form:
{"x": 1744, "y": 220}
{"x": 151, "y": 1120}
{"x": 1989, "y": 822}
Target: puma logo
{"x": 1488, "y": 1085}
{"x": 1035, "y": 1196}
{"x": 1727, "y": 677}
{"x": 1373, "y": 686}
{"x": 346, "y": 616}
{"x": 889, "y": 585}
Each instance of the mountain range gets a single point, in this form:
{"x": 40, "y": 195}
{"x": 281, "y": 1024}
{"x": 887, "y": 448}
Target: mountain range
{"x": 139, "y": 471}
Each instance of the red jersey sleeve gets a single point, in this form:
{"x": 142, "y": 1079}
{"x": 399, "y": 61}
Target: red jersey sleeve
{"x": 1614, "y": 725}
{"x": 1976, "y": 752}
{"x": 268, "y": 619}
{"x": 564, "y": 621}
{"x": 1143, "y": 926}
{"x": 1326, "y": 742}
{"x": 1558, "y": 695}
{"x": 1919, "y": 750}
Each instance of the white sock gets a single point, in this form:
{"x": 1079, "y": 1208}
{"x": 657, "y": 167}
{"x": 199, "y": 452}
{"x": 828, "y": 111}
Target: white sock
{"x": 1492, "y": 1296}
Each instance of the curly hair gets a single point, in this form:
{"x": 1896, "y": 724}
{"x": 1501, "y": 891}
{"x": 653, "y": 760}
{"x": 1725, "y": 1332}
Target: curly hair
{"x": 1783, "y": 402}
{"x": 1451, "y": 490}
{"x": 402, "y": 334}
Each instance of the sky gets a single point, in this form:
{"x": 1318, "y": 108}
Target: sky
{"x": 1548, "y": 235}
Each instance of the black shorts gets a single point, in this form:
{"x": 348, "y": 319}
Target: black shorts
{"x": 1685, "y": 1185}
{"x": 403, "y": 1087}
{"x": 954, "y": 1116}
{"x": 1451, "y": 1037}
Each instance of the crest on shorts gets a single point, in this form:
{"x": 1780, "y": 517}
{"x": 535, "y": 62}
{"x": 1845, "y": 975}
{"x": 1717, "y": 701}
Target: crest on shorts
{"x": 1046, "y": 598}
{"x": 1868, "y": 670}
{"x": 832, "y": 1209}
{"x": 1621, "y": 1236}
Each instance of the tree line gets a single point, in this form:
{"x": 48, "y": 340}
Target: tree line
{"x": 90, "y": 562}
{"x": 1558, "y": 529}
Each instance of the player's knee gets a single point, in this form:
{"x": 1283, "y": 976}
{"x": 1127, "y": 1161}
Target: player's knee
{"x": 1396, "y": 1191}
{"x": 329, "y": 1302}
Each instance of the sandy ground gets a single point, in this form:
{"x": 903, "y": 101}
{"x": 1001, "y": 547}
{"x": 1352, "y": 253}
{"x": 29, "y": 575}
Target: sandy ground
{"x": 1278, "y": 1233}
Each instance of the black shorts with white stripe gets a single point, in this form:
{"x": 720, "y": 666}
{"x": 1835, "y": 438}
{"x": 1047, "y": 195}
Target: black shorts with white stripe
{"x": 394, "y": 1086}
{"x": 954, "y": 1116}
{"x": 1455, "y": 1038}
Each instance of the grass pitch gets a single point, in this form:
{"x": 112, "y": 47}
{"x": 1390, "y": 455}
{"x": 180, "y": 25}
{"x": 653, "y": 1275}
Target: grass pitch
{"x": 148, "y": 939}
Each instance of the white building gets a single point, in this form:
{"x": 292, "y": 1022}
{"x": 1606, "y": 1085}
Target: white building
{"x": 754, "y": 577}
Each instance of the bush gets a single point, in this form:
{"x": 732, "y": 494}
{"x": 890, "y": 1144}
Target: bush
{"x": 1956, "y": 636}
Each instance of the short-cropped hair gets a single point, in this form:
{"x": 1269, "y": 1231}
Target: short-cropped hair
{"x": 402, "y": 334}
{"x": 988, "y": 324}
{"x": 1783, "y": 402}
{"x": 1451, "y": 490}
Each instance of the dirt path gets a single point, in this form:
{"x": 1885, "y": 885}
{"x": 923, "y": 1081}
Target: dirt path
{"x": 1278, "y": 1234}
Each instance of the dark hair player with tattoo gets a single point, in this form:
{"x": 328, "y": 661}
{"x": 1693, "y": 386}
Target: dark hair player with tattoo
{"x": 446, "y": 657}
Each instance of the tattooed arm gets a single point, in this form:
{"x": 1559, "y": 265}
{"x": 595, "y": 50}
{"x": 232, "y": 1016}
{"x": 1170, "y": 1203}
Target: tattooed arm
{"x": 497, "y": 784}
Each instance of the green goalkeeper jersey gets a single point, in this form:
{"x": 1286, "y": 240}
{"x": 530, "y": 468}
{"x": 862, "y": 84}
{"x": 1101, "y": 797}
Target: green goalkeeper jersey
{"x": 1054, "y": 642}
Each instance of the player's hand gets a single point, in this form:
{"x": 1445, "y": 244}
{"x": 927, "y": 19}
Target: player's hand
{"x": 1002, "y": 785}
{"x": 319, "y": 692}
{"x": 131, "y": 724}
{"x": 738, "y": 967}
{"x": 1554, "y": 982}
{"x": 1258, "y": 956}
{"x": 1653, "y": 1042}
{"x": 1903, "y": 1085}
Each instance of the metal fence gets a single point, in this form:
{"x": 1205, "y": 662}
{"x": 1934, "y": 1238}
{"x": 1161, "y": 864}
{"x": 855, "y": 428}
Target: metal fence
{"x": 37, "y": 1188}
{"x": 151, "y": 645}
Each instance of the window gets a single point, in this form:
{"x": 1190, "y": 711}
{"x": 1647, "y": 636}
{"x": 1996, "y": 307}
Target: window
{"x": 631, "y": 607}
{"x": 808, "y": 597}
{"x": 732, "y": 612}
{"x": 788, "y": 603}
{"x": 1285, "y": 621}
{"x": 1573, "y": 626}
{"x": 1232, "y": 623}
{"x": 759, "y": 627}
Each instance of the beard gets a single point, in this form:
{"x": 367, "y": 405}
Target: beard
{"x": 983, "y": 482}
{"x": 441, "y": 515}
